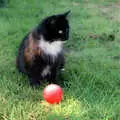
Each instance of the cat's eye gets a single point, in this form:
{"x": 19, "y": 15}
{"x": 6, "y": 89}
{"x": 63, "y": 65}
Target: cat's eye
{"x": 60, "y": 32}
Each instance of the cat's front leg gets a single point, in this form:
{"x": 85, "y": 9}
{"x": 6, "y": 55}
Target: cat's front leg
{"x": 52, "y": 78}
{"x": 61, "y": 60}
{"x": 34, "y": 82}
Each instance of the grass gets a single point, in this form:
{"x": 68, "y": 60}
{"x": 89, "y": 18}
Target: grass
{"x": 91, "y": 81}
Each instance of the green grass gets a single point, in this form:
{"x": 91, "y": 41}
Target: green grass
{"x": 91, "y": 81}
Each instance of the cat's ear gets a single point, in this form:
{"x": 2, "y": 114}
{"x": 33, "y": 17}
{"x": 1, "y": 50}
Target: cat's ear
{"x": 66, "y": 13}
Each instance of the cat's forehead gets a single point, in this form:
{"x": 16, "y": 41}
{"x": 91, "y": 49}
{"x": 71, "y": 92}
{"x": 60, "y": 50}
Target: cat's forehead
{"x": 57, "y": 22}
{"x": 61, "y": 21}
{"x": 58, "y": 18}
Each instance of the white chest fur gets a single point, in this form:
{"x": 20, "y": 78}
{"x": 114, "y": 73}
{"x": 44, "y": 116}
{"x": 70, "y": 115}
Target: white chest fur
{"x": 52, "y": 48}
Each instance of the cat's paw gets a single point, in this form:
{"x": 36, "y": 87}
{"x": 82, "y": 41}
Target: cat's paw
{"x": 63, "y": 69}
{"x": 34, "y": 83}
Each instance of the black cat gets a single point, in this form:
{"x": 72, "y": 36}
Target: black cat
{"x": 41, "y": 54}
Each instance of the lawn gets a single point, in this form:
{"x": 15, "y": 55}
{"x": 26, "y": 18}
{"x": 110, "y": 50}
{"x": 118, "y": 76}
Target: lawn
{"x": 91, "y": 80}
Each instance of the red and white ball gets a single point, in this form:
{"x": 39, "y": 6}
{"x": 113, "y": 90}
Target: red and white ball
{"x": 53, "y": 93}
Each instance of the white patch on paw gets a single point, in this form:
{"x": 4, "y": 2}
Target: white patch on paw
{"x": 62, "y": 69}
{"x": 46, "y": 71}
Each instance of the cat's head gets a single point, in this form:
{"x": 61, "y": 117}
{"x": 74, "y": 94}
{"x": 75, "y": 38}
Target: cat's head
{"x": 56, "y": 27}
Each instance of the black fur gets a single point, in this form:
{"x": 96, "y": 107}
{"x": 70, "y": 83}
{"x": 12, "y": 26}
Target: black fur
{"x": 32, "y": 59}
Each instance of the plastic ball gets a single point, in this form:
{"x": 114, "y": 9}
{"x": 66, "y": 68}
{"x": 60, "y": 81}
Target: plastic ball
{"x": 53, "y": 93}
